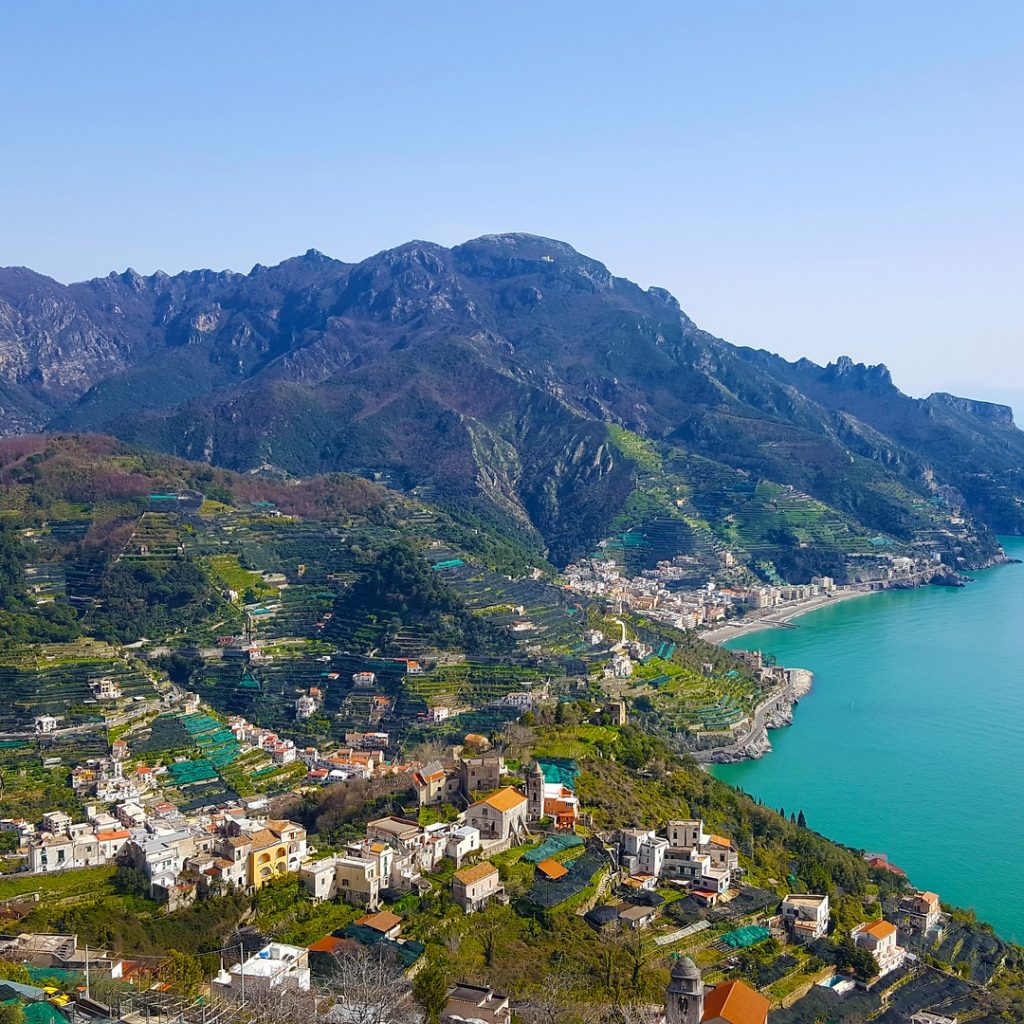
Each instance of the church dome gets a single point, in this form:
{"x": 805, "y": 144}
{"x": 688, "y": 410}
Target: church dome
{"x": 684, "y": 967}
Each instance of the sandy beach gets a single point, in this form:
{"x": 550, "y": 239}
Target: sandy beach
{"x": 775, "y": 616}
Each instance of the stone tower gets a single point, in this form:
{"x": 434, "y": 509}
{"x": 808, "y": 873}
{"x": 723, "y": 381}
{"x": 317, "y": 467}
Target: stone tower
{"x": 684, "y": 997}
{"x": 535, "y": 793}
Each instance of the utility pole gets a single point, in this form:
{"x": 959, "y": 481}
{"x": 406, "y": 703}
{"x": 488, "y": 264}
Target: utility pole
{"x": 87, "y": 996}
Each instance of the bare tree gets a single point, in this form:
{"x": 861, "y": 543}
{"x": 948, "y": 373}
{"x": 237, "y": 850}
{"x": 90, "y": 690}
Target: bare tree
{"x": 366, "y": 986}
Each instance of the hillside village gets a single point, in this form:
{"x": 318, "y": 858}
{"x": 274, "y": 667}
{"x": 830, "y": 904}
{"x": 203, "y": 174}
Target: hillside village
{"x": 483, "y": 832}
{"x": 356, "y": 739}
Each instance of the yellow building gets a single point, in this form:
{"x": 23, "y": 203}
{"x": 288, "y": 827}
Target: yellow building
{"x": 276, "y": 850}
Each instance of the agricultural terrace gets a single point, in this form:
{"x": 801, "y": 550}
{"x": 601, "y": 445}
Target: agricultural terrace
{"x": 685, "y": 700}
{"x": 54, "y": 679}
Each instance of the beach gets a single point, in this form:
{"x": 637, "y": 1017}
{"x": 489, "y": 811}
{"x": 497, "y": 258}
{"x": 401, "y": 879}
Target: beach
{"x": 778, "y": 617}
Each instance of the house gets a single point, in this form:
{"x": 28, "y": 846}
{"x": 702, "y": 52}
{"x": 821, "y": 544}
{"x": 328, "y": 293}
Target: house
{"x": 363, "y": 680}
{"x": 474, "y": 887}
{"x": 806, "y": 916}
{"x": 49, "y": 852}
{"x": 616, "y": 712}
{"x": 276, "y": 967}
{"x": 687, "y": 833}
{"x": 358, "y": 880}
{"x": 317, "y": 877}
{"x": 473, "y": 1002}
{"x": 305, "y": 707}
{"x": 392, "y": 828}
{"x": 637, "y": 917}
{"x": 45, "y": 724}
{"x": 480, "y": 774}
{"x": 384, "y": 923}
{"x": 433, "y": 784}
{"x": 920, "y": 913}
{"x": 277, "y": 848}
{"x": 462, "y": 841}
{"x": 500, "y": 816}
{"x": 880, "y": 939}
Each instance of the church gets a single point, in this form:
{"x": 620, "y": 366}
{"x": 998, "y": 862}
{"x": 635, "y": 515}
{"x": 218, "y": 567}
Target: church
{"x": 732, "y": 1002}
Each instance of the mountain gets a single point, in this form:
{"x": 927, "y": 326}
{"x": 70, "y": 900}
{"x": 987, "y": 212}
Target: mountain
{"x": 493, "y": 376}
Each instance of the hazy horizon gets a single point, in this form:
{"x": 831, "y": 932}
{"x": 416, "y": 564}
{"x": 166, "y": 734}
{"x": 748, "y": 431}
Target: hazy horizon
{"x": 805, "y": 178}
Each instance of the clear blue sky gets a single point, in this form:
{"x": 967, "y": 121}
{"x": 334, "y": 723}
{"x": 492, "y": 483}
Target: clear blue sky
{"x": 815, "y": 178}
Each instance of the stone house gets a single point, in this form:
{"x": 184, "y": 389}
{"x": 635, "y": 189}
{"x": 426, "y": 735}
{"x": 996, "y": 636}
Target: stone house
{"x": 499, "y": 816}
{"x": 474, "y": 887}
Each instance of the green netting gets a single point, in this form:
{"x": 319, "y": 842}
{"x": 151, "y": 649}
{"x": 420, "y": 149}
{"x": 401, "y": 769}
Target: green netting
{"x": 560, "y": 771}
{"x": 41, "y": 974}
{"x": 185, "y": 772}
{"x": 551, "y": 846}
{"x": 41, "y": 1013}
{"x": 744, "y": 937}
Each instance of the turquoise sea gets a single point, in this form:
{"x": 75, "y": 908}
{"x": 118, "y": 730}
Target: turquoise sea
{"x": 912, "y": 741}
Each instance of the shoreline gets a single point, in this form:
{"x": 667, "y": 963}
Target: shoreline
{"x": 780, "y": 617}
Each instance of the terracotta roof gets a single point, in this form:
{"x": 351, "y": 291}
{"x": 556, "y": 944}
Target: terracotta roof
{"x": 931, "y": 898}
{"x": 507, "y": 799}
{"x": 121, "y": 833}
{"x": 552, "y": 869}
{"x": 381, "y": 922}
{"x": 878, "y": 930}
{"x": 882, "y": 864}
{"x": 736, "y": 1003}
{"x": 476, "y": 873}
{"x": 262, "y": 838}
{"x": 328, "y": 944}
{"x": 721, "y": 841}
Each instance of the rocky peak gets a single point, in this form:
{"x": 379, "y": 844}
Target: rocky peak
{"x": 851, "y": 374}
{"x": 991, "y": 412}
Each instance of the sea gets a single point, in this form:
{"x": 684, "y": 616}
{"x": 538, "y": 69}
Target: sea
{"x": 911, "y": 743}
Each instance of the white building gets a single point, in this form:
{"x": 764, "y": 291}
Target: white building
{"x": 806, "y": 916}
{"x": 305, "y": 707}
{"x": 276, "y": 966}
{"x": 880, "y": 939}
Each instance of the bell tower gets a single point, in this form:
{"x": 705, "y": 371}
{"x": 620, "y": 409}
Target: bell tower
{"x": 535, "y": 793}
{"x": 684, "y": 997}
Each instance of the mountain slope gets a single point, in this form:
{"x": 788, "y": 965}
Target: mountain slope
{"x": 488, "y": 376}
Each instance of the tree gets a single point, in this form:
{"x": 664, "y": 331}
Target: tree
{"x": 801, "y": 820}
{"x": 131, "y": 881}
{"x": 10, "y": 971}
{"x": 850, "y": 956}
{"x": 11, "y": 1013}
{"x": 185, "y": 973}
{"x": 430, "y": 987}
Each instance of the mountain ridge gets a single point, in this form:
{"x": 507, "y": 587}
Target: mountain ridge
{"x": 489, "y": 372}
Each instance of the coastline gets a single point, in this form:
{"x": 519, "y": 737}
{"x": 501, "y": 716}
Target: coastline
{"x": 779, "y": 616}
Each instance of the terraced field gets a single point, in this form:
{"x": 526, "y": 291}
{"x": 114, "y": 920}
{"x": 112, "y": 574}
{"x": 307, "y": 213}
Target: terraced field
{"x": 685, "y": 700}
{"x": 53, "y": 679}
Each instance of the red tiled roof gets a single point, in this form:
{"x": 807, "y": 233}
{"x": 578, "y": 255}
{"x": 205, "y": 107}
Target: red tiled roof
{"x": 736, "y": 1003}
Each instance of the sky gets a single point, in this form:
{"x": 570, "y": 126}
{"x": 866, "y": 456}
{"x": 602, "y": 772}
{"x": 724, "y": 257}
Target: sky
{"x": 814, "y": 178}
